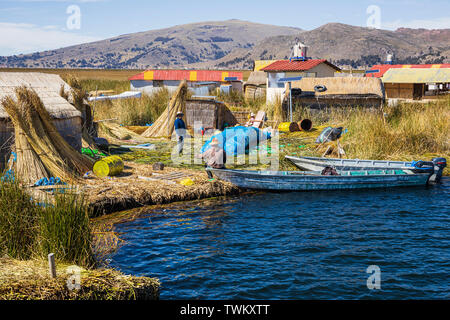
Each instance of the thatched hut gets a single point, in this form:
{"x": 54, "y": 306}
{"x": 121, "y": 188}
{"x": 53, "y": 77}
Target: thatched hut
{"x": 66, "y": 118}
{"x": 324, "y": 93}
{"x": 256, "y": 86}
{"x": 209, "y": 113}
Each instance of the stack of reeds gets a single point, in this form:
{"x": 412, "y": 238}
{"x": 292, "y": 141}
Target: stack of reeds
{"x": 164, "y": 126}
{"x": 41, "y": 150}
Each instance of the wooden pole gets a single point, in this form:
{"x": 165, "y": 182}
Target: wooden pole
{"x": 52, "y": 265}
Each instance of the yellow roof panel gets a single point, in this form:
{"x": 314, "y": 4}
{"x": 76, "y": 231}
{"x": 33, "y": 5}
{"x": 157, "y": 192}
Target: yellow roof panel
{"x": 432, "y": 75}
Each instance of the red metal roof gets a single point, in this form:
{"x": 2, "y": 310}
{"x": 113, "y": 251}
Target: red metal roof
{"x": 190, "y": 75}
{"x": 385, "y": 67}
{"x": 286, "y": 65}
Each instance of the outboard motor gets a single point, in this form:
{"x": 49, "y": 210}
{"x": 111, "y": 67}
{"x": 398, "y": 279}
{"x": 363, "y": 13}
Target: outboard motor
{"x": 439, "y": 166}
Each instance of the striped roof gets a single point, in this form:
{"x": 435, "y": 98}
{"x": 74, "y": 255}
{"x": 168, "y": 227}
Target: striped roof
{"x": 417, "y": 75}
{"x": 287, "y": 65}
{"x": 383, "y": 68}
{"x": 190, "y": 75}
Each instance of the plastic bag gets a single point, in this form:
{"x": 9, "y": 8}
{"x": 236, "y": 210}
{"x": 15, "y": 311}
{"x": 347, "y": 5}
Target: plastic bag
{"x": 329, "y": 134}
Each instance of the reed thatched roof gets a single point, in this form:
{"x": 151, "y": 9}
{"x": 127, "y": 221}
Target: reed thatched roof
{"x": 341, "y": 86}
{"x": 47, "y": 86}
{"x": 257, "y": 78}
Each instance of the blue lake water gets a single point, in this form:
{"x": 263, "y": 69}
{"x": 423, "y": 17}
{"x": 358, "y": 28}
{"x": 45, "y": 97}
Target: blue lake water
{"x": 311, "y": 245}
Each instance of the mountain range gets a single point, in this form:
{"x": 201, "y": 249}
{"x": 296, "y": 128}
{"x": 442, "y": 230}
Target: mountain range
{"x": 235, "y": 44}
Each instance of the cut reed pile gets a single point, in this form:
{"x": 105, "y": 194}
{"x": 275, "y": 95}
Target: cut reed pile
{"x": 41, "y": 151}
{"x": 29, "y": 280}
{"x": 164, "y": 126}
{"x": 115, "y": 133}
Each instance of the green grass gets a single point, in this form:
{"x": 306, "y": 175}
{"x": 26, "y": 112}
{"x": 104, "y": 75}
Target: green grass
{"x": 65, "y": 230}
{"x": 18, "y": 222}
{"x": 28, "y": 230}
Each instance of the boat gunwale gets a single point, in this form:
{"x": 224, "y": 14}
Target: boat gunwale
{"x": 317, "y": 175}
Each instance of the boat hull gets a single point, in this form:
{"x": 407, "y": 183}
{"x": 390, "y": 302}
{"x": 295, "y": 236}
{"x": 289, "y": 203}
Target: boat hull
{"x": 317, "y": 164}
{"x": 292, "y": 181}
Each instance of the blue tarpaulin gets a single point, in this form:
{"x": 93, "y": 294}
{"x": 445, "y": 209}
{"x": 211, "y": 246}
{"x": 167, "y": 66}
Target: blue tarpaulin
{"x": 238, "y": 140}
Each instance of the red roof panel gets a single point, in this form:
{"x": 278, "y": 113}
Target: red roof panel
{"x": 192, "y": 75}
{"x": 287, "y": 65}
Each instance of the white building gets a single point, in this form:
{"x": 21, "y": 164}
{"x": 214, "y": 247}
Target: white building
{"x": 313, "y": 68}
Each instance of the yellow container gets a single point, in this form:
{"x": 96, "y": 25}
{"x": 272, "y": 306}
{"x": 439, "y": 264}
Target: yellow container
{"x": 187, "y": 182}
{"x": 288, "y": 127}
{"x": 109, "y": 166}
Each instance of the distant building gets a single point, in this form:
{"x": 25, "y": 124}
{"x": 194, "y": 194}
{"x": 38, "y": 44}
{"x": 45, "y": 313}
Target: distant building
{"x": 338, "y": 92}
{"x": 377, "y": 71}
{"x": 416, "y": 83}
{"x": 200, "y": 82}
{"x": 312, "y": 68}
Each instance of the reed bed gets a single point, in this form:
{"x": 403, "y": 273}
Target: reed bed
{"x": 133, "y": 112}
{"x": 29, "y": 230}
{"x": 407, "y": 131}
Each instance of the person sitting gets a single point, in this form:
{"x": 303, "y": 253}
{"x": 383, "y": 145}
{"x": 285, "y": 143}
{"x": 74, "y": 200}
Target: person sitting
{"x": 215, "y": 156}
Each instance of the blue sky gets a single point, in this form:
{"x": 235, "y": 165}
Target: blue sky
{"x": 34, "y": 25}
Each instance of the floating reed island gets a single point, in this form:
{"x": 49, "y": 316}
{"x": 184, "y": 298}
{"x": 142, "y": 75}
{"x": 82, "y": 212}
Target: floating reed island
{"x": 36, "y": 221}
{"x": 139, "y": 185}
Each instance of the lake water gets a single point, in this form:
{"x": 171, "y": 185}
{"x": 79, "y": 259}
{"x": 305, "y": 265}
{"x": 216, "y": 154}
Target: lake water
{"x": 311, "y": 245}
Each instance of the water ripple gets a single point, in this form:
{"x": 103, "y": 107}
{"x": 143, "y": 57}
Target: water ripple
{"x": 296, "y": 245}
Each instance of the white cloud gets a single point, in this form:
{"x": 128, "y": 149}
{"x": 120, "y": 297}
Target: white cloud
{"x": 438, "y": 23}
{"x": 27, "y": 38}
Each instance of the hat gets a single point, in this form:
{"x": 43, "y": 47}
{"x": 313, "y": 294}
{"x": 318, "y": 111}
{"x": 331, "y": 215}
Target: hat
{"x": 252, "y": 115}
{"x": 180, "y": 113}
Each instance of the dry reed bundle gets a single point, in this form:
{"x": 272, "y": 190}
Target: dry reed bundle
{"x": 28, "y": 164}
{"x": 116, "y": 133}
{"x": 164, "y": 126}
{"x": 39, "y": 143}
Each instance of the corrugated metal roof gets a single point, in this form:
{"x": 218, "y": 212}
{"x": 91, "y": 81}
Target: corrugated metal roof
{"x": 190, "y": 75}
{"x": 385, "y": 67}
{"x": 286, "y": 65}
{"x": 435, "y": 75}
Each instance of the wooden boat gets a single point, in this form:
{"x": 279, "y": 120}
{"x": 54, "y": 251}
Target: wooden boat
{"x": 314, "y": 180}
{"x": 436, "y": 166}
